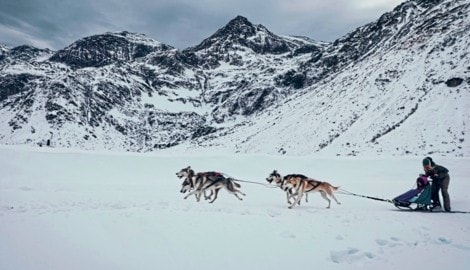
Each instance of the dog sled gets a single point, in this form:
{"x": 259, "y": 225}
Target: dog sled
{"x": 418, "y": 199}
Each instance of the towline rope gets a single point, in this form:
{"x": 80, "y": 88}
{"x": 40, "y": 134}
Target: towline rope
{"x": 251, "y": 182}
{"x": 345, "y": 192}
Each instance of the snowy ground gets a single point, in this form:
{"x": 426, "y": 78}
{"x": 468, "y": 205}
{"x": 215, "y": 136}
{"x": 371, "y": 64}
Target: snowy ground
{"x": 76, "y": 210}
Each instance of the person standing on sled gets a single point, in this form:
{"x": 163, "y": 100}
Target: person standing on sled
{"x": 440, "y": 181}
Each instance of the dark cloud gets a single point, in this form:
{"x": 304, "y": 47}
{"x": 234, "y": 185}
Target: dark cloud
{"x": 179, "y": 23}
{"x": 53, "y": 22}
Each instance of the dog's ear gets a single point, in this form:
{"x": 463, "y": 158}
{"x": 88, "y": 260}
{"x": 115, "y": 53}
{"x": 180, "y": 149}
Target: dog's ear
{"x": 189, "y": 168}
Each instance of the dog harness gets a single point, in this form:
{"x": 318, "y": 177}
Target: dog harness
{"x": 314, "y": 186}
{"x": 209, "y": 173}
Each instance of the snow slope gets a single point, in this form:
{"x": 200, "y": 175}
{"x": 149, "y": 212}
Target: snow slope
{"x": 398, "y": 85}
{"x": 395, "y": 100}
{"x": 66, "y": 209}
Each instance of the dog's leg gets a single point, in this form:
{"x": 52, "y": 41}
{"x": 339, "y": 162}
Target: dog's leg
{"x": 297, "y": 191}
{"x": 290, "y": 195}
{"x": 294, "y": 194}
{"x": 206, "y": 197}
{"x": 231, "y": 187}
{"x": 199, "y": 193}
{"x": 306, "y": 199}
{"x": 192, "y": 193}
{"x": 332, "y": 195}
{"x": 215, "y": 195}
{"x": 236, "y": 195}
{"x": 323, "y": 194}
{"x": 297, "y": 199}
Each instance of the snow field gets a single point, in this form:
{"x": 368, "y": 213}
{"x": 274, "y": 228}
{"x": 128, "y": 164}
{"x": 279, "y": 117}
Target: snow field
{"x": 65, "y": 209}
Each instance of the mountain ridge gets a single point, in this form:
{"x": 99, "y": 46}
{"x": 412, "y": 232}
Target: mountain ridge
{"x": 124, "y": 91}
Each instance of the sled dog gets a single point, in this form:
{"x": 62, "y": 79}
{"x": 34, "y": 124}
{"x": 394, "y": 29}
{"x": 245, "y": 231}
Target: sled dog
{"x": 193, "y": 181}
{"x": 198, "y": 183}
{"x": 186, "y": 186}
{"x": 276, "y": 179}
{"x": 310, "y": 185}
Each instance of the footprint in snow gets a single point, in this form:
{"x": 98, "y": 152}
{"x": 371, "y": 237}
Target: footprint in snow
{"x": 425, "y": 228}
{"x": 350, "y": 255}
{"x": 393, "y": 242}
{"x": 287, "y": 234}
{"x": 462, "y": 247}
{"x": 118, "y": 206}
{"x": 446, "y": 241}
{"x": 443, "y": 240}
{"x": 381, "y": 242}
{"x": 273, "y": 213}
{"x": 163, "y": 205}
{"x": 396, "y": 239}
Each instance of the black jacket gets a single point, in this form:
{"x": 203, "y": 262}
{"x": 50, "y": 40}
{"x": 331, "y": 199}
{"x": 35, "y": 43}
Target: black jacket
{"x": 438, "y": 172}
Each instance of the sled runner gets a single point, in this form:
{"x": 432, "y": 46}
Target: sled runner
{"x": 418, "y": 199}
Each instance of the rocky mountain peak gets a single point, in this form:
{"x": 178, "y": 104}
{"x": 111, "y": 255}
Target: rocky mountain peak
{"x": 427, "y": 3}
{"x": 26, "y": 52}
{"x": 237, "y": 26}
{"x": 382, "y": 34}
{"x": 3, "y": 48}
{"x": 241, "y": 86}
{"x": 23, "y": 53}
{"x": 3, "y": 51}
{"x": 104, "y": 49}
{"x": 241, "y": 34}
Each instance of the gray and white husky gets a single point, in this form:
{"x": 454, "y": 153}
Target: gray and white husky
{"x": 198, "y": 183}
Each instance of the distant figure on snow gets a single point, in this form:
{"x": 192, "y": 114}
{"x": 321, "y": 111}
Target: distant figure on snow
{"x": 440, "y": 181}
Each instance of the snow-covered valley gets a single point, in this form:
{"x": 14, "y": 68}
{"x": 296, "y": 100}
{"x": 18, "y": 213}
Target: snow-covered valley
{"x": 71, "y": 209}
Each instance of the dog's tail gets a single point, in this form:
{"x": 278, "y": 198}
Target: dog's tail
{"x": 335, "y": 188}
{"x": 235, "y": 183}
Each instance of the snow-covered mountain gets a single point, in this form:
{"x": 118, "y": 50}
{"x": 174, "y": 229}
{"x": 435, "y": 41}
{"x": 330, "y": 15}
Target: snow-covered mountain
{"x": 128, "y": 92}
{"x": 398, "y": 85}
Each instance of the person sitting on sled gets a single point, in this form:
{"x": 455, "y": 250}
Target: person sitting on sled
{"x": 411, "y": 196}
{"x": 421, "y": 182}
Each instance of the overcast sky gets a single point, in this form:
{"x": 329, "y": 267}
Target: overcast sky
{"x": 55, "y": 24}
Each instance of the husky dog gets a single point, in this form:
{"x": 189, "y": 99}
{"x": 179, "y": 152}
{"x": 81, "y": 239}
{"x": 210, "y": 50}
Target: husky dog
{"x": 193, "y": 181}
{"x": 308, "y": 185}
{"x": 207, "y": 181}
{"x": 186, "y": 186}
{"x": 276, "y": 179}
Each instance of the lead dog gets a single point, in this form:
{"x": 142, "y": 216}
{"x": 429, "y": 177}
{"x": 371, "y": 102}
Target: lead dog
{"x": 207, "y": 181}
{"x": 194, "y": 182}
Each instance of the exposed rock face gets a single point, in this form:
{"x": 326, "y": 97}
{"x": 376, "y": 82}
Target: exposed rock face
{"x": 125, "y": 91}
